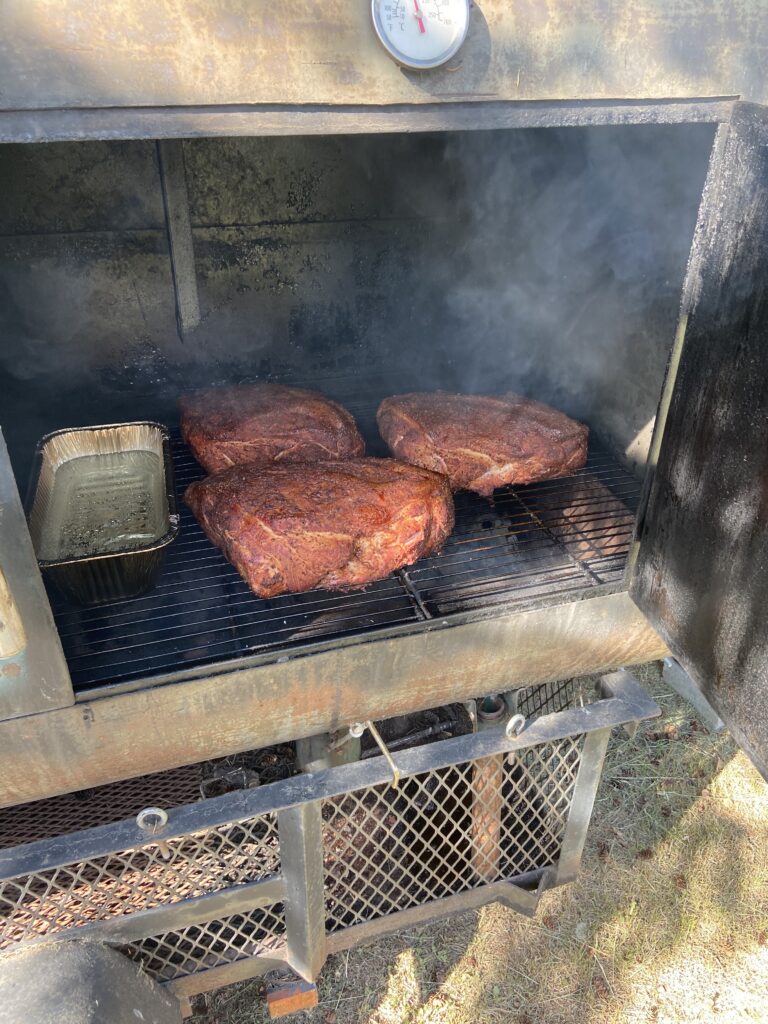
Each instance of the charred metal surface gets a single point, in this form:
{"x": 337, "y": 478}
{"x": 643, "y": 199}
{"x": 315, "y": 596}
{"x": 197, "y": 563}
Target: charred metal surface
{"x": 702, "y": 570}
{"x": 66, "y": 54}
{"x": 170, "y": 155}
{"x": 558, "y": 254}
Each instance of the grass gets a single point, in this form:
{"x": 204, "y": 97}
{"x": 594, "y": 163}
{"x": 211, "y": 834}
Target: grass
{"x": 668, "y": 922}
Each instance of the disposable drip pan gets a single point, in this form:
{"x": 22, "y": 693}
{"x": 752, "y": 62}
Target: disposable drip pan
{"x": 102, "y": 509}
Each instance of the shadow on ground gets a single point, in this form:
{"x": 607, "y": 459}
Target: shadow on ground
{"x": 667, "y": 923}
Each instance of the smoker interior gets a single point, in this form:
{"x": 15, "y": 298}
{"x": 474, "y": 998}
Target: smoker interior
{"x": 548, "y": 262}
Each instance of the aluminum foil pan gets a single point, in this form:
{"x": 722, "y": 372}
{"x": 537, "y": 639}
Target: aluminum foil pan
{"x": 102, "y": 509}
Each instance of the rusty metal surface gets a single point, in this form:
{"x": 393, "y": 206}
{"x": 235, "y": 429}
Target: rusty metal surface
{"x": 254, "y": 706}
{"x": 272, "y": 872}
{"x": 189, "y": 122}
{"x": 92, "y": 807}
{"x": 66, "y": 53}
{"x": 50, "y": 901}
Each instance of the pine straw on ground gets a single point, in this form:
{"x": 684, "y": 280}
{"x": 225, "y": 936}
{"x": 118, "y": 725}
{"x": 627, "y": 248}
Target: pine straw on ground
{"x": 667, "y": 924}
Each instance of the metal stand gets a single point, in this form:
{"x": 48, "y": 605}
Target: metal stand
{"x": 283, "y": 874}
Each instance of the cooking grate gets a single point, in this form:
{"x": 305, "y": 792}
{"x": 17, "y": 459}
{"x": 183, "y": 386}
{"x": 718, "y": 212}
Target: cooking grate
{"x": 552, "y": 538}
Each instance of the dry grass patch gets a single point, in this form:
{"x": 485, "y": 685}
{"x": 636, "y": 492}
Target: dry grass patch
{"x": 668, "y": 922}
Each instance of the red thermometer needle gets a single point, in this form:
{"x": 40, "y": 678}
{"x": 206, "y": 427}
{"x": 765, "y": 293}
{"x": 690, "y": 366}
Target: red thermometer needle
{"x": 419, "y": 16}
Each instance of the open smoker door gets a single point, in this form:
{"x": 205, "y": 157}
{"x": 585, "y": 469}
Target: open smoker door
{"x": 701, "y": 575}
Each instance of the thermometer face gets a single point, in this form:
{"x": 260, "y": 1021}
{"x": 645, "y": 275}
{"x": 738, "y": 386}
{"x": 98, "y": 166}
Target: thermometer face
{"x": 421, "y": 34}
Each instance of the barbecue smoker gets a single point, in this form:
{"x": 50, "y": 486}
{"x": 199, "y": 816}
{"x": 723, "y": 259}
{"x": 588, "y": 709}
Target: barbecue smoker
{"x": 214, "y": 785}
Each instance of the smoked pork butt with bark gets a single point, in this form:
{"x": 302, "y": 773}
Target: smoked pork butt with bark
{"x": 264, "y": 423}
{"x": 481, "y": 443}
{"x": 336, "y": 525}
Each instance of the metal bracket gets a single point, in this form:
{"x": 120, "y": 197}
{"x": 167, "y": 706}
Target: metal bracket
{"x": 677, "y": 678}
{"x": 173, "y": 182}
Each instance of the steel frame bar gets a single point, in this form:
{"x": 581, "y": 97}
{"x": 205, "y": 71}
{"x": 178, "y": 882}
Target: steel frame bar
{"x": 188, "y": 121}
{"x": 35, "y": 676}
{"x": 587, "y": 781}
{"x": 300, "y": 883}
{"x": 226, "y": 974}
{"x": 301, "y": 842}
{"x": 507, "y": 892}
{"x": 626, "y": 702}
{"x": 171, "y": 917}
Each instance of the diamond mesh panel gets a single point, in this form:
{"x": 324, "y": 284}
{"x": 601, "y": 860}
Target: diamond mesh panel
{"x": 445, "y": 831}
{"x": 536, "y": 799}
{"x": 89, "y": 808}
{"x": 99, "y": 806}
{"x": 547, "y": 698}
{"x": 200, "y": 947}
{"x": 120, "y": 883}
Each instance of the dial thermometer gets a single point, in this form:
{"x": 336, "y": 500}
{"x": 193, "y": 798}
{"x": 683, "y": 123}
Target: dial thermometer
{"x": 421, "y": 34}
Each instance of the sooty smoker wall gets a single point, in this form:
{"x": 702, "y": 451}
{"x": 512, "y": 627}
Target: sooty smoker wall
{"x": 549, "y": 261}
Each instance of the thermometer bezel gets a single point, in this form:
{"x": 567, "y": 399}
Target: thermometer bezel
{"x": 413, "y": 64}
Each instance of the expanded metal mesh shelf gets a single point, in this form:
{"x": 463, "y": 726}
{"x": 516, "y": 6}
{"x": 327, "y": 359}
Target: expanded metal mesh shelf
{"x": 552, "y": 538}
{"x": 177, "y": 954}
{"x": 446, "y": 831}
{"x": 82, "y": 892}
{"x": 473, "y": 818}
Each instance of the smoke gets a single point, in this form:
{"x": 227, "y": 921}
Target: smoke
{"x": 564, "y": 264}
{"x": 547, "y": 261}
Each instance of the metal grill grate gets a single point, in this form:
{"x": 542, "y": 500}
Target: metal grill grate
{"x": 445, "y": 831}
{"x": 201, "y": 947}
{"x": 79, "y": 893}
{"x": 556, "y": 537}
{"x": 89, "y": 808}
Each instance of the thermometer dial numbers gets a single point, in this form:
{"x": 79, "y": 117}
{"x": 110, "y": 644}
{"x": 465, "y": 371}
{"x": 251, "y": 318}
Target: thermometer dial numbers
{"x": 421, "y": 34}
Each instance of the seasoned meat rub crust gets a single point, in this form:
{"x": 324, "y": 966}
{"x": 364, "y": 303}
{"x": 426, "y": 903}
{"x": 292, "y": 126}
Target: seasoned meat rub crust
{"x": 336, "y": 525}
{"x": 481, "y": 443}
{"x": 264, "y": 423}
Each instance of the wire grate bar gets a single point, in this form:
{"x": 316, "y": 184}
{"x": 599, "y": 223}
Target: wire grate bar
{"x": 544, "y": 539}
